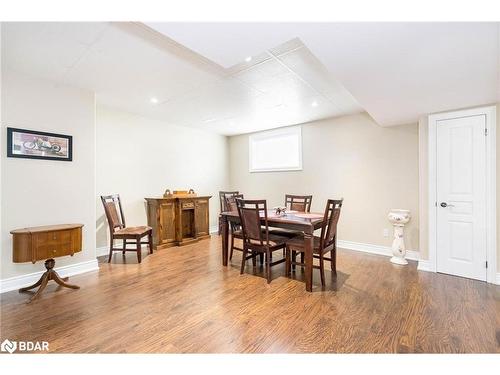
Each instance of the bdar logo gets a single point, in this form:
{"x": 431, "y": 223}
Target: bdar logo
{"x": 8, "y": 346}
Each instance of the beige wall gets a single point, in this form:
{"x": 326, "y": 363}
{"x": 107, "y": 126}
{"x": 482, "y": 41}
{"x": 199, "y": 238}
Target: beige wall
{"x": 140, "y": 157}
{"x": 498, "y": 185}
{"x": 373, "y": 168}
{"x": 43, "y": 192}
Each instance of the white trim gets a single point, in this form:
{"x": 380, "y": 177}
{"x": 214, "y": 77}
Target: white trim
{"x": 491, "y": 229}
{"x": 425, "y": 265}
{"x": 104, "y": 250}
{"x": 289, "y": 130}
{"x": 101, "y": 251}
{"x": 16, "y": 282}
{"x": 374, "y": 249}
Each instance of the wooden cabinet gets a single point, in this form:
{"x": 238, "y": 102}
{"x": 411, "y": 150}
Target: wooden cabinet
{"x": 47, "y": 242}
{"x": 177, "y": 221}
{"x": 40, "y": 243}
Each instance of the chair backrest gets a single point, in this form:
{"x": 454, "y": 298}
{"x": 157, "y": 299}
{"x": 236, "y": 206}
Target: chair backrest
{"x": 222, "y": 198}
{"x": 298, "y": 202}
{"x": 251, "y": 212}
{"x": 115, "y": 216}
{"x": 331, "y": 218}
{"x": 230, "y": 204}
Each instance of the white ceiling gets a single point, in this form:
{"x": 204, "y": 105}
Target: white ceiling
{"x": 397, "y": 72}
{"x": 127, "y": 64}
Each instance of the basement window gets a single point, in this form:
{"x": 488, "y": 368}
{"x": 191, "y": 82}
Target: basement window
{"x": 276, "y": 150}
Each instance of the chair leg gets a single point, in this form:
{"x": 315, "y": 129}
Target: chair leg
{"x": 254, "y": 259}
{"x": 110, "y": 249}
{"x": 333, "y": 262}
{"x": 124, "y": 246}
{"x": 322, "y": 269}
{"x": 232, "y": 247}
{"x": 243, "y": 260}
{"x": 150, "y": 240}
{"x": 261, "y": 258}
{"x": 139, "y": 255}
{"x": 294, "y": 259}
{"x": 302, "y": 254}
{"x": 268, "y": 265}
{"x": 287, "y": 261}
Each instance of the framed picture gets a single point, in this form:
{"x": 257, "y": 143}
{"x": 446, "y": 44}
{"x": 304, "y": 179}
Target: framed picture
{"x": 31, "y": 144}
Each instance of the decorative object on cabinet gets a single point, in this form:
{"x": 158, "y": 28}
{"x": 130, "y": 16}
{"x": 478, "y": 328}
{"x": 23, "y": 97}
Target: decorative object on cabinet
{"x": 179, "y": 193}
{"x": 179, "y": 218}
{"x": 119, "y": 231}
{"x": 30, "y": 144}
{"x": 47, "y": 242}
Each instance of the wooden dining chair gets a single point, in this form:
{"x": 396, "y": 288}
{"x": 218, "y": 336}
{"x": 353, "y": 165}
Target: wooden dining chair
{"x": 222, "y": 202}
{"x": 257, "y": 240}
{"x": 236, "y": 231}
{"x": 300, "y": 203}
{"x": 119, "y": 231}
{"x": 326, "y": 242}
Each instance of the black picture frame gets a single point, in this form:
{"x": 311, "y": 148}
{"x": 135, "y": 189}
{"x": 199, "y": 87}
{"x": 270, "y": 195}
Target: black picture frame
{"x": 32, "y": 153}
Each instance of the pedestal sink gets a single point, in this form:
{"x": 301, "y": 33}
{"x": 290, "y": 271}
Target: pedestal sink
{"x": 398, "y": 218}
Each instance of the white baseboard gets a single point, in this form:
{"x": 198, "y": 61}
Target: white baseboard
{"x": 375, "y": 249}
{"x": 100, "y": 251}
{"x": 104, "y": 250}
{"x": 16, "y": 282}
{"x": 425, "y": 265}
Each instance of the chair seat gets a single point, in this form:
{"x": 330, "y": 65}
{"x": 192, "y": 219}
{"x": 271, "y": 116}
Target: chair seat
{"x": 285, "y": 232}
{"x": 132, "y": 231}
{"x": 274, "y": 240}
{"x": 297, "y": 243}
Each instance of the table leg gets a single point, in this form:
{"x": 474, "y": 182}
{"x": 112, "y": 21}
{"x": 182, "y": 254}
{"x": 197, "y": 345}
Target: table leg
{"x": 308, "y": 250}
{"x": 225, "y": 239}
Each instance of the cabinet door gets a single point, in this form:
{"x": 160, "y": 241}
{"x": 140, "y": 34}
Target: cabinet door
{"x": 167, "y": 222}
{"x": 202, "y": 221}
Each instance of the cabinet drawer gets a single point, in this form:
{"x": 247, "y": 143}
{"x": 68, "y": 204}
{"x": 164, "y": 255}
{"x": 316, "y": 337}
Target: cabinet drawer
{"x": 187, "y": 205}
{"x": 52, "y": 251}
{"x": 59, "y": 237}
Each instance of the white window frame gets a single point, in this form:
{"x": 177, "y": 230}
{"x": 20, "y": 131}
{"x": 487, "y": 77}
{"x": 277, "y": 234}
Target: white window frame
{"x": 296, "y": 130}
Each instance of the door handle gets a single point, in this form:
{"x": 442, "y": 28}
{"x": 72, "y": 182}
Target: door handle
{"x": 444, "y": 204}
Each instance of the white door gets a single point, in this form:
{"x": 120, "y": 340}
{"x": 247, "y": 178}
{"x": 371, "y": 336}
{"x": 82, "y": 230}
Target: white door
{"x": 461, "y": 196}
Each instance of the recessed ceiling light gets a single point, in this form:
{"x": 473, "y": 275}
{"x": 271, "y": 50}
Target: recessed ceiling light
{"x": 154, "y": 100}
{"x": 248, "y": 58}
{"x": 314, "y": 104}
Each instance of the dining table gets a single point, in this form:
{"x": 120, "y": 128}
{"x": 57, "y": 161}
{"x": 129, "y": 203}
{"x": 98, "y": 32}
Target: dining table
{"x": 305, "y": 222}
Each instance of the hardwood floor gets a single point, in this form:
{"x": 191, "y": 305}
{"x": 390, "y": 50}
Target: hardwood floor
{"x": 181, "y": 300}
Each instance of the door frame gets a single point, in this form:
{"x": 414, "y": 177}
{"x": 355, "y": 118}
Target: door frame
{"x": 491, "y": 229}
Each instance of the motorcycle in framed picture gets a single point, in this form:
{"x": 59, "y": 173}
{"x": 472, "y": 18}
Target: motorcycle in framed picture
{"x": 31, "y": 144}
